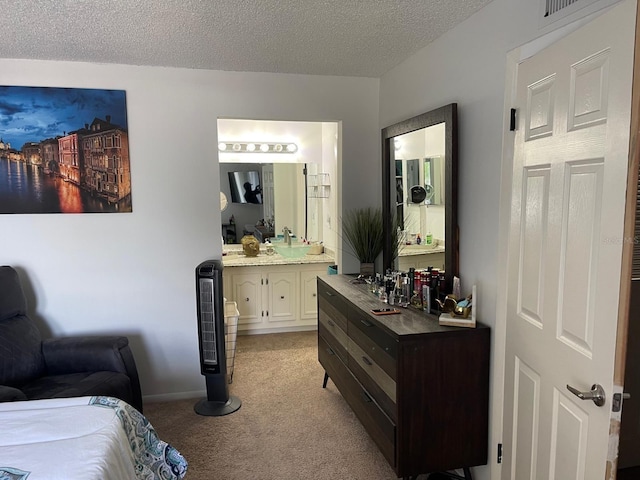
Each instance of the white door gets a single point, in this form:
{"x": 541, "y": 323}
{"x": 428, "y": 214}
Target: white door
{"x": 565, "y": 245}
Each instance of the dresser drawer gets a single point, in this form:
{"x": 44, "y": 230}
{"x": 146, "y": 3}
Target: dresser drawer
{"x": 362, "y": 322}
{"x": 379, "y": 426}
{"x": 333, "y": 335}
{"x": 333, "y": 304}
{"x": 374, "y": 352}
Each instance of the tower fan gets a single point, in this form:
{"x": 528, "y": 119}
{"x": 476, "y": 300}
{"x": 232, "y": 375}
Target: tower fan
{"x": 211, "y": 338}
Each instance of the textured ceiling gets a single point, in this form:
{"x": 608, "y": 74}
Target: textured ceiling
{"x": 323, "y": 37}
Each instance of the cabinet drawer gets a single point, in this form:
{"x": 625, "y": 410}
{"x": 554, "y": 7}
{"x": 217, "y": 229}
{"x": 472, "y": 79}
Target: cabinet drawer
{"x": 333, "y": 304}
{"x": 374, "y": 352}
{"x": 372, "y": 369}
{"x": 362, "y": 322}
{"x": 379, "y": 426}
{"x": 333, "y": 334}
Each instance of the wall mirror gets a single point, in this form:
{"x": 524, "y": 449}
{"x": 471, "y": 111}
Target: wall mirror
{"x": 420, "y": 187}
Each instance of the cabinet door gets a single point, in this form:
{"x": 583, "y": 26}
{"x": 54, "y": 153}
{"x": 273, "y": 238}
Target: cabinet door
{"x": 283, "y": 295}
{"x": 309, "y": 296}
{"x": 247, "y": 293}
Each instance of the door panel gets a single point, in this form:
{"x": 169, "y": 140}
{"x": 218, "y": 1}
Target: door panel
{"x": 565, "y": 248}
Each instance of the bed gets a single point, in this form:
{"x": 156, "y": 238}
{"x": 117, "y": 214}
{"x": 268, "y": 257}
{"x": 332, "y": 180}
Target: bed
{"x": 83, "y": 438}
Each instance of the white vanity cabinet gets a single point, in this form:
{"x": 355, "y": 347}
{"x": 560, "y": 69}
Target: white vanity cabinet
{"x": 274, "y": 298}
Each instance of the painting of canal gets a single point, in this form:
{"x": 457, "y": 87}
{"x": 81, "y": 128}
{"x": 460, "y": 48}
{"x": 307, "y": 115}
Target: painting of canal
{"x": 64, "y": 150}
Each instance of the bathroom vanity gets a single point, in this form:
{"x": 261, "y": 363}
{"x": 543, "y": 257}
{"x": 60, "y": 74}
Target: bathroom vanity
{"x": 421, "y": 257}
{"x": 421, "y": 390}
{"x": 273, "y": 293}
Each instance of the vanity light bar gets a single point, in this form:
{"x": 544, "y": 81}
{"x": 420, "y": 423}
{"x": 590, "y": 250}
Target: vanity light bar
{"x": 257, "y": 147}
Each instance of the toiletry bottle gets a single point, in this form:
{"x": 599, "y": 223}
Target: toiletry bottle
{"x": 428, "y": 239}
{"x": 418, "y": 239}
{"x": 426, "y": 298}
{"x": 434, "y": 290}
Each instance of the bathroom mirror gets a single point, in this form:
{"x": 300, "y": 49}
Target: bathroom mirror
{"x": 421, "y": 152}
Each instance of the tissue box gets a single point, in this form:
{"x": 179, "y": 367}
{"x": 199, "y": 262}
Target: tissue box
{"x": 316, "y": 250}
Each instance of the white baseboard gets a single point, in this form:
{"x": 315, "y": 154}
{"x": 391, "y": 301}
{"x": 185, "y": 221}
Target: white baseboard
{"x": 169, "y": 397}
{"x": 260, "y": 331}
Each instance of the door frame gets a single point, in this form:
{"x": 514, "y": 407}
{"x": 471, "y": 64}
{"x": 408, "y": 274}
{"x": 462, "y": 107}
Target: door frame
{"x": 513, "y": 58}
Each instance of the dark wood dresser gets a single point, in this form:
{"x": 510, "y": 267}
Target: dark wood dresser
{"x": 421, "y": 390}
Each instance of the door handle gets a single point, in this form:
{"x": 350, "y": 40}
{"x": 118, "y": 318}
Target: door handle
{"x": 596, "y": 394}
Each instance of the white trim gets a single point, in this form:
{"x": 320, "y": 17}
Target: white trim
{"x": 500, "y": 329}
{"x": 169, "y": 397}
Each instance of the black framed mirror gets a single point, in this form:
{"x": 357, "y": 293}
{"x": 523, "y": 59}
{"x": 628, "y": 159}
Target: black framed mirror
{"x": 432, "y": 139}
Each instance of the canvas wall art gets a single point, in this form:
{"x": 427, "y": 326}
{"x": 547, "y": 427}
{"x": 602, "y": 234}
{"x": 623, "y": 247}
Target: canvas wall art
{"x": 64, "y": 150}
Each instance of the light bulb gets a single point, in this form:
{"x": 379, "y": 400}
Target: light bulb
{"x": 278, "y": 148}
{"x": 222, "y": 146}
{"x": 264, "y": 148}
{"x": 292, "y": 147}
{"x": 251, "y": 147}
{"x": 236, "y": 147}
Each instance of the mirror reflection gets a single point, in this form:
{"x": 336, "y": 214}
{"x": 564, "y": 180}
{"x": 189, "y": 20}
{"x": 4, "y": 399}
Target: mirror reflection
{"x": 293, "y": 188}
{"x": 420, "y": 165}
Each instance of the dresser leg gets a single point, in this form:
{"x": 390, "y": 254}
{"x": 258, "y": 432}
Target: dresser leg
{"x": 324, "y": 382}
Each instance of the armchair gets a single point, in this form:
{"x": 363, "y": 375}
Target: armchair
{"x": 32, "y": 368}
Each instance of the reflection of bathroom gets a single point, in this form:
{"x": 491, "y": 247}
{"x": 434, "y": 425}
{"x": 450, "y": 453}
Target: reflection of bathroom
{"x": 420, "y": 183}
{"x": 287, "y": 181}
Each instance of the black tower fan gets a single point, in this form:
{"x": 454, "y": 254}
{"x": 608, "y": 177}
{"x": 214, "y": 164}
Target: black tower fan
{"x": 213, "y": 363}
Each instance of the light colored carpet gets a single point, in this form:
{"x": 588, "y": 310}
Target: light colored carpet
{"x": 288, "y": 428}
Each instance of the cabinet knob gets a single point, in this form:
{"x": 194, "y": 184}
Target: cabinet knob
{"x": 247, "y": 299}
{"x": 314, "y": 294}
{"x": 281, "y": 297}
{"x": 366, "y": 360}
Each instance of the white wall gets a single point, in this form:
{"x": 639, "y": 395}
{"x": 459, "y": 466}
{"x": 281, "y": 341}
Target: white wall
{"x": 467, "y": 66}
{"x": 134, "y": 273}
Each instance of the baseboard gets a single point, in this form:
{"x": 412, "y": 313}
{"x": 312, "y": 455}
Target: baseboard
{"x": 169, "y": 397}
{"x": 261, "y": 331}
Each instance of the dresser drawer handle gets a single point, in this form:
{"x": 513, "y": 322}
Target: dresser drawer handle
{"x": 367, "y": 361}
{"x": 331, "y": 323}
{"x": 366, "y": 323}
{"x": 329, "y": 294}
{"x": 366, "y": 397}
{"x": 330, "y": 352}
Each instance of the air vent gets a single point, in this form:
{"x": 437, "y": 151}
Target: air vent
{"x": 563, "y": 12}
{"x": 553, "y": 6}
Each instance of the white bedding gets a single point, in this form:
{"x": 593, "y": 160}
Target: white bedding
{"x": 84, "y": 438}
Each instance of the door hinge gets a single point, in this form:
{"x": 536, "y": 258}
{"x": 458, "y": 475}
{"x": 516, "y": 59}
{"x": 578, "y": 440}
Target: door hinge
{"x": 512, "y": 120}
{"x": 499, "y": 453}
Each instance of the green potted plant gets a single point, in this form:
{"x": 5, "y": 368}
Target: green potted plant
{"x": 363, "y": 229}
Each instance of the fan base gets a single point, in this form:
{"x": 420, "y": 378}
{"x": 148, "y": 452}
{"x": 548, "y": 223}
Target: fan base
{"x": 217, "y": 409}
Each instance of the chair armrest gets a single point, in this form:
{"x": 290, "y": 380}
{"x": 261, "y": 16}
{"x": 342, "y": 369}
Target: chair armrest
{"x": 92, "y": 354}
{"x": 10, "y": 394}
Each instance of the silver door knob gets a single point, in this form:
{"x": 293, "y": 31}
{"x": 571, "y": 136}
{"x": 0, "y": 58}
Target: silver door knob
{"x": 596, "y": 394}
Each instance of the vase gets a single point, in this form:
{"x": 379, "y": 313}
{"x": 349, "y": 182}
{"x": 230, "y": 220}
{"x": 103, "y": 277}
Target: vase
{"x": 250, "y": 245}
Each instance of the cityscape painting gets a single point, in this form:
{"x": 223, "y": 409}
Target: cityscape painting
{"x": 64, "y": 150}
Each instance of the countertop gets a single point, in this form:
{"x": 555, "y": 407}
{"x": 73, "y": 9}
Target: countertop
{"x": 408, "y": 250}
{"x": 234, "y": 257}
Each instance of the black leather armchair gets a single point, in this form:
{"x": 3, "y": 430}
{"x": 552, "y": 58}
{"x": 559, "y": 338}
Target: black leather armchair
{"x": 32, "y": 368}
